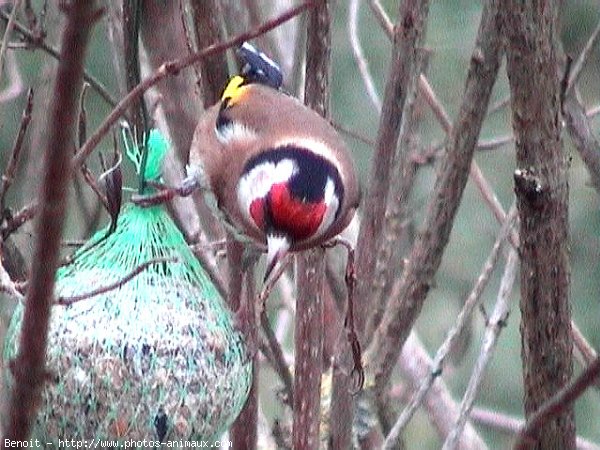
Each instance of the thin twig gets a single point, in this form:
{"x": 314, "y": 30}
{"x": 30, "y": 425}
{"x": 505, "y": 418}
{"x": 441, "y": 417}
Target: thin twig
{"x": 272, "y": 281}
{"x": 29, "y": 365}
{"x": 494, "y": 143}
{"x": 512, "y": 425}
{"x": 171, "y": 68}
{"x": 37, "y": 41}
{"x": 14, "y": 87}
{"x": 13, "y": 223}
{"x": 499, "y": 105}
{"x": 279, "y": 363}
{"x": 427, "y": 252}
{"x": 577, "y": 68}
{"x": 353, "y": 134}
{"x": 69, "y": 300}
{"x": 593, "y": 112}
{"x": 7, "y": 32}
{"x": 475, "y": 173}
{"x": 210, "y": 266}
{"x": 441, "y": 409}
{"x": 382, "y": 17}
{"x": 361, "y": 61}
{"x": 556, "y": 405}
{"x": 582, "y": 134}
{"x": 11, "y": 167}
{"x": 588, "y": 353}
{"x": 461, "y": 321}
{"x": 495, "y": 325}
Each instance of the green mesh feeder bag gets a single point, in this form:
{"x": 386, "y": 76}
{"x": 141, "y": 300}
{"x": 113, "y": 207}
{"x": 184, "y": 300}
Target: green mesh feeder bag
{"x": 156, "y": 358}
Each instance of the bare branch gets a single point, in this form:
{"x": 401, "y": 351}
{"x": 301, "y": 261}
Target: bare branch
{"x": 542, "y": 191}
{"x": 244, "y": 431}
{"x": 556, "y": 405}
{"x": 308, "y": 330}
{"x": 208, "y": 16}
{"x": 65, "y": 301}
{"x": 13, "y": 223}
{"x": 361, "y": 61}
{"x": 37, "y": 41}
{"x": 512, "y": 425}
{"x": 7, "y": 285}
{"x": 279, "y": 362}
{"x": 382, "y": 17}
{"x": 494, "y": 326}
{"x": 427, "y": 252}
{"x": 392, "y": 235}
{"x": 582, "y": 134}
{"x": 465, "y": 314}
{"x": 7, "y": 33}
{"x": 171, "y": 68}
{"x": 11, "y": 167}
{"x": 29, "y": 367}
{"x": 408, "y": 37}
{"x": 442, "y": 410}
{"x": 582, "y": 59}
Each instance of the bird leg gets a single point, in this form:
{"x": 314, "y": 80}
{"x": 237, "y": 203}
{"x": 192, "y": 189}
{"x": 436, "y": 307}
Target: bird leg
{"x": 350, "y": 278}
{"x": 165, "y": 193}
{"x": 269, "y": 283}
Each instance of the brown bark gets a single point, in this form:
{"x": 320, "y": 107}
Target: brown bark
{"x": 29, "y": 365}
{"x": 426, "y": 254}
{"x": 308, "y": 333}
{"x": 244, "y": 431}
{"x": 541, "y": 187}
{"x": 408, "y": 35}
{"x": 208, "y": 28}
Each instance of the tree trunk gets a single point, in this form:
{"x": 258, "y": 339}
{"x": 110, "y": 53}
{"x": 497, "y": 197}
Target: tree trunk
{"x": 542, "y": 190}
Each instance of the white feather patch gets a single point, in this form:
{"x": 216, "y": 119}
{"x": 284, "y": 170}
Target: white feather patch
{"x": 235, "y": 132}
{"x": 257, "y": 183}
{"x": 332, "y": 203}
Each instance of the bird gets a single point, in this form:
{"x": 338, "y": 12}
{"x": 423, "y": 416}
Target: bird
{"x": 279, "y": 173}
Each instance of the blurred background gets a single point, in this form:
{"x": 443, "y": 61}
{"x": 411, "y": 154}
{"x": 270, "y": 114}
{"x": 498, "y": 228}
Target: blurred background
{"x": 451, "y": 31}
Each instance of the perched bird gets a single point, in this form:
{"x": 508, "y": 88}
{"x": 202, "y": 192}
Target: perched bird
{"x": 281, "y": 175}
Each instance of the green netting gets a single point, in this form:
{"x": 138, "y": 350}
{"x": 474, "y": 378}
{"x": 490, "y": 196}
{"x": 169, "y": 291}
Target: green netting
{"x": 157, "y": 358}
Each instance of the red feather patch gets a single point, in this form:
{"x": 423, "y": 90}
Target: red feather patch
{"x": 294, "y": 217}
{"x": 257, "y": 212}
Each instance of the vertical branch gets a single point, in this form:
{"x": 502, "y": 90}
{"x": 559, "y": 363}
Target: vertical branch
{"x": 131, "y": 51}
{"x": 426, "y": 254}
{"x": 541, "y": 187}
{"x": 407, "y": 56}
{"x": 28, "y": 367}
{"x": 244, "y": 431}
{"x": 208, "y": 28}
{"x": 174, "y": 103}
{"x": 408, "y": 34}
{"x": 176, "y": 94}
{"x": 309, "y": 276}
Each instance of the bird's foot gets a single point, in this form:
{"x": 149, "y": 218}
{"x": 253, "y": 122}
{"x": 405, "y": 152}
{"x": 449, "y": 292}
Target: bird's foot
{"x": 165, "y": 193}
